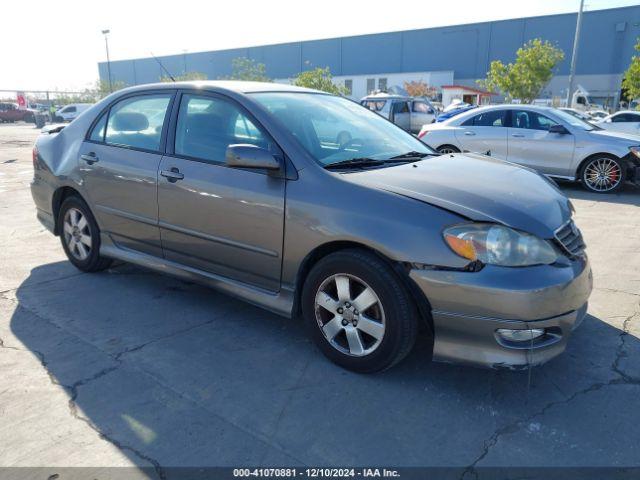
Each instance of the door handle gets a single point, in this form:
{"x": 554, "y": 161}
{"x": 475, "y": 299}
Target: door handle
{"x": 469, "y": 133}
{"x": 517, "y": 135}
{"x": 90, "y": 158}
{"x": 173, "y": 175}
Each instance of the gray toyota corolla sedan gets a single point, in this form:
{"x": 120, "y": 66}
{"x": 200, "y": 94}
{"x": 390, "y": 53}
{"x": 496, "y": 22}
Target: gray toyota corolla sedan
{"x": 311, "y": 205}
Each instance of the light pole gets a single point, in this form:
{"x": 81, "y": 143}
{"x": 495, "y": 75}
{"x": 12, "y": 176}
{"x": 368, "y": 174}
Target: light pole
{"x": 574, "y": 54}
{"x": 106, "y": 44}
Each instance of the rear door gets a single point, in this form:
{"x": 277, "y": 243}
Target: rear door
{"x": 531, "y": 144}
{"x": 485, "y": 133}
{"x": 223, "y": 220}
{"x": 119, "y": 163}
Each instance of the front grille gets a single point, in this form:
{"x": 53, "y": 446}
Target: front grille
{"x": 570, "y": 239}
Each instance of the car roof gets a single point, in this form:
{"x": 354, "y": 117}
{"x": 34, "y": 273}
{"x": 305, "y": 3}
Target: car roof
{"x": 636, "y": 112}
{"x": 512, "y": 106}
{"x": 218, "y": 85}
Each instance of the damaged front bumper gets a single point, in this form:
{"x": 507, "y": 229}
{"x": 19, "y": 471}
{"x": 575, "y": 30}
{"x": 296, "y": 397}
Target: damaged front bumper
{"x": 468, "y": 309}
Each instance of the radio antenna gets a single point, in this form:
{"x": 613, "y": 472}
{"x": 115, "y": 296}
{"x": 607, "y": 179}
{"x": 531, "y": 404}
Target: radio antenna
{"x": 162, "y": 67}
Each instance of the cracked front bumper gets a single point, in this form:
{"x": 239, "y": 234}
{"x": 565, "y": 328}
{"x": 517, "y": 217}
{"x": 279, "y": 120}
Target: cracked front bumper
{"x": 468, "y": 308}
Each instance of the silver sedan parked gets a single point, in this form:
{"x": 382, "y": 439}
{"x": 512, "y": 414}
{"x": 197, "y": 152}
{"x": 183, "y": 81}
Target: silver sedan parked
{"x": 310, "y": 205}
{"x": 549, "y": 140}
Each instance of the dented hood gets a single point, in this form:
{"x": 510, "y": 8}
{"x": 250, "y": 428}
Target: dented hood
{"x": 479, "y": 188}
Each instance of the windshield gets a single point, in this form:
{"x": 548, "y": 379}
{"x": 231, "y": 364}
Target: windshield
{"x": 333, "y": 129}
{"x": 575, "y": 121}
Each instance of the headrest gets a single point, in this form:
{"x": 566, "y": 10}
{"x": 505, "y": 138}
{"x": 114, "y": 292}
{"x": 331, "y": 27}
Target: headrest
{"x": 130, "y": 122}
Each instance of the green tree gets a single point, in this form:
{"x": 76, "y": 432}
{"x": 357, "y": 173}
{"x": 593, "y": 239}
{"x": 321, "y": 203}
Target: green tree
{"x": 527, "y": 76}
{"x": 319, "y": 79}
{"x": 243, "y": 68}
{"x": 98, "y": 91}
{"x": 185, "y": 77}
{"x": 631, "y": 80}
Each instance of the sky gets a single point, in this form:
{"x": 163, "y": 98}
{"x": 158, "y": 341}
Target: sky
{"x": 57, "y": 45}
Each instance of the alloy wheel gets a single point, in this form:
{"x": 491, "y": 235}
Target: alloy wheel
{"x": 350, "y": 314}
{"x": 602, "y": 174}
{"x": 77, "y": 234}
{"x": 447, "y": 150}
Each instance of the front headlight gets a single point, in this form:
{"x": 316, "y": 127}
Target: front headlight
{"x": 635, "y": 151}
{"x": 498, "y": 245}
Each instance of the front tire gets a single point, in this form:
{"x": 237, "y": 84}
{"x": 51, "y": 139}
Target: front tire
{"x": 358, "y": 312}
{"x": 80, "y": 235}
{"x": 602, "y": 174}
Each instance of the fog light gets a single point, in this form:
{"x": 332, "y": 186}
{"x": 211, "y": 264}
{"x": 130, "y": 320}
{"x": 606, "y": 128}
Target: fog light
{"x": 520, "y": 335}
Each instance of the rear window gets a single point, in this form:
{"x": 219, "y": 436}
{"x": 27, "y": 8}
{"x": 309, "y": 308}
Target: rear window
{"x": 137, "y": 122}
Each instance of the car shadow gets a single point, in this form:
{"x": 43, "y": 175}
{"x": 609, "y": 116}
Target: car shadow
{"x": 629, "y": 194}
{"x": 174, "y": 375}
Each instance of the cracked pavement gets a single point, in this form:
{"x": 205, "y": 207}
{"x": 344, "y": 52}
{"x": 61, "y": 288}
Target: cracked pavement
{"x": 128, "y": 367}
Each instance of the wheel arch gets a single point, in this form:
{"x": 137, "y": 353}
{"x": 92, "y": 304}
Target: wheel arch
{"x": 59, "y": 196}
{"x": 449, "y": 145}
{"x": 400, "y": 268}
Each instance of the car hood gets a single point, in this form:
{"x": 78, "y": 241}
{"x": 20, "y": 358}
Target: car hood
{"x": 479, "y": 188}
{"x": 628, "y": 138}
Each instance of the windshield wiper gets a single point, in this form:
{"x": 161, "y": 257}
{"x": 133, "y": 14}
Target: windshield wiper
{"x": 411, "y": 154}
{"x": 355, "y": 162}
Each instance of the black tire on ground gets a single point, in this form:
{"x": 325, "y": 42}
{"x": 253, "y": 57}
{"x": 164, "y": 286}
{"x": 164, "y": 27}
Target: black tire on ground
{"x": 399, "y": 310}
{"x": 93, "y": 261}
{"x": 444, "y": 149}
{"x": 608, "y": 163}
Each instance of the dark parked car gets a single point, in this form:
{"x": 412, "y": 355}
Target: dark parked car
{"x": 311, "y": 205}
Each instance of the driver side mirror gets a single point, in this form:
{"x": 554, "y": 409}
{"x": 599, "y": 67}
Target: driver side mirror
{"x": 560, "y": 129}
{"x": 250, "y": 156}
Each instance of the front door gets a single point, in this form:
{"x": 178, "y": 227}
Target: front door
{"x": 223, "y": 220}
{"x": 119, "y": 165}
{"x": 401, "y": 114}
{"x": 421, "y": 114}
{"x": 531, "y": 144}
{"x": 485, "y": 133}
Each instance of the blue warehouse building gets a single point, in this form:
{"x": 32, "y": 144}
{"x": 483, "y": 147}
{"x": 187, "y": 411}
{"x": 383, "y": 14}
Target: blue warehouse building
{"x": 440, "y": 56}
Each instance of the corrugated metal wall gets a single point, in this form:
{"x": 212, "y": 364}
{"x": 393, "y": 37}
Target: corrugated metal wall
{"x": 606, "y": 46}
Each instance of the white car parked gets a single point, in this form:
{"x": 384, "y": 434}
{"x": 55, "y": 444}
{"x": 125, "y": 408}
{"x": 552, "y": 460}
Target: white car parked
{"x": 70, "y": 112}
{"x": 548, "y": 140}
{"x": 627, "y": 121}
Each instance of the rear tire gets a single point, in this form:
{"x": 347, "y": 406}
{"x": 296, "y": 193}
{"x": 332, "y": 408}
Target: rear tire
{"x": 446, "y": 149}
{"x": 370, "y": 340}
{"x": 80, "y": 235}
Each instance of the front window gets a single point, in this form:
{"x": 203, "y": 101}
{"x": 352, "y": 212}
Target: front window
{"x": 421, "y": 107}
{"x": 208, "y": 125}
{"x": 531, "y": 120}
{"x": 333, "y": 129}
{"x": 575, "y": 121}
